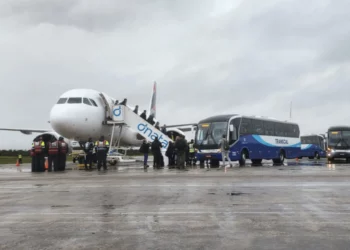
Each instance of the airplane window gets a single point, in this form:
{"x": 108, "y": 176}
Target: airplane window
{"x": 75, "y": 100}
{"x": 62, "y": 100}
{"x": 86, "y": 101}
{"x": 93, "y": 102}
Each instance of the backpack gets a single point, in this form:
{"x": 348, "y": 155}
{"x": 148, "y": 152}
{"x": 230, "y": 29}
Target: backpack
{"x": 226, "y": 145}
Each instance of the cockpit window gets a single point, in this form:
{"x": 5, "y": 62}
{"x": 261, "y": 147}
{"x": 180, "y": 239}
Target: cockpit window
{"x": 75, "y": 100}
{"x": 93, "y": 102}
{"x": 86, "y": 101}
{"x": 62, "y": 100}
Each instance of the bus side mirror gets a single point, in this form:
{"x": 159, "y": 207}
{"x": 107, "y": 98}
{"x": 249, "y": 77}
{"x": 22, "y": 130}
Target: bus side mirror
{"x": 232, "y": 128}
{"x": 233, "y": 132}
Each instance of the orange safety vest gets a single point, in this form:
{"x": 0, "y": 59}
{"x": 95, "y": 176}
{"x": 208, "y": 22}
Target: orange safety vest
{"x": 53, "y": 148}
{"x": 39, "y": 147}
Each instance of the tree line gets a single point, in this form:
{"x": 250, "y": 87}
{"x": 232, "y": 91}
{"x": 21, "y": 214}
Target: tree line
{"x": 12, "y": 152}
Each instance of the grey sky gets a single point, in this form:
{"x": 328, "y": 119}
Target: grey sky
{"x": 208, "y": 57}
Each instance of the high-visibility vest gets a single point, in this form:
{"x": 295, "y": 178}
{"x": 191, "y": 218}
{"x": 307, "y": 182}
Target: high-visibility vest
{"x": 53, "y": 148}
{"x": 101, "y": 145}
{"x": 63, "y": 147}
{"x": 39, "y": 147}
{"x": 19, "y": 156}
{"x": 191, "y": 147}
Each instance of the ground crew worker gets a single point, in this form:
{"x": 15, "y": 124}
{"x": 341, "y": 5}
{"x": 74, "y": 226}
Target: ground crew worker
{"x": 180, "y": 145}
{"x": 101, "y": 147}
{"x": 156, "y": 146}
{"x": 170, "y": 154}
{"x": 145, "y": 150}
{"x": 225, "y": 148}
{"x": 20, "y": 159}
{"x": 89, "y": 150}
{"x": 191, "y": 156}
{"x": 32, "y": 154}
{"x": 39, "y": 150}
{"x": 62, "y": 154}
{"x": 53, "y": 156}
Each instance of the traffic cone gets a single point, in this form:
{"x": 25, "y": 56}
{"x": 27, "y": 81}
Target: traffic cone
{"x": 17, "y": 163}
{"x": 46, "y": 164}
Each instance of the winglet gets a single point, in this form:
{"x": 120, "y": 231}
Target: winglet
{"x": 152, "y": 107}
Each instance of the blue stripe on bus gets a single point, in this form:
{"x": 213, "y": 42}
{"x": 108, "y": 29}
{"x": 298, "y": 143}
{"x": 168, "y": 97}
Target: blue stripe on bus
{"x": 259, "y": 139}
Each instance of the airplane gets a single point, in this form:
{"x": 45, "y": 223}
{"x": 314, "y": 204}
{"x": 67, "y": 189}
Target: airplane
{"x": 80, "y": 114}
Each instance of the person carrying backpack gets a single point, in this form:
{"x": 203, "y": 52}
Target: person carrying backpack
{"x": 225, "y": 149}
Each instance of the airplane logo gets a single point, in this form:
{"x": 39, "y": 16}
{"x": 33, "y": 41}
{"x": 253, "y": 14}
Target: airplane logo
{"x": 117, "y": 111}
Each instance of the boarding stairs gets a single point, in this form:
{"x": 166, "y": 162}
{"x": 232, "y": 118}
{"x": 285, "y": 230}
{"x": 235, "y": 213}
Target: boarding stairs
{"x": 125, "y": 116}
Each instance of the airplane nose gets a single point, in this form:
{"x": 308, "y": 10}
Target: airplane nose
{"x": 62, "y": 121}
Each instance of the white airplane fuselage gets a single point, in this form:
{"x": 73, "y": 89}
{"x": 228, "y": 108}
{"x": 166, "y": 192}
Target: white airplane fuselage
{"x": 76, "y": 117}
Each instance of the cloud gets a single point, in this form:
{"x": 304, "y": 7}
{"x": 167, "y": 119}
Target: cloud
{"x": 234, "y": 57}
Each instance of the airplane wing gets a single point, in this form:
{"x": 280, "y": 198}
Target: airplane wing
{"x": 26, "y": 131}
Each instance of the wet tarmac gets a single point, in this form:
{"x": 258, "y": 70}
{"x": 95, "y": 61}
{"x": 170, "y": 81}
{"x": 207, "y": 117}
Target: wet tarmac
{"x": 303, "y": 205}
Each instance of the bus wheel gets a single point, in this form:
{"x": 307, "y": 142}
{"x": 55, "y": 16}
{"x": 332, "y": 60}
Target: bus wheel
{"x": 317, "y": 156}
{"x": 282, "y": 156}
{"x": 280, "y": 159}
{"x": 243, "y": 158}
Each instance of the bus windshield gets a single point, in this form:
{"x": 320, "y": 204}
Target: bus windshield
{"x": 210, "y": 133}
{"x": 339, "y": 139}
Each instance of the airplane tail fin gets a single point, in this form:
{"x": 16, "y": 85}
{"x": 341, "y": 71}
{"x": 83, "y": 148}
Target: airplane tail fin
{"x": 152, "y": 106}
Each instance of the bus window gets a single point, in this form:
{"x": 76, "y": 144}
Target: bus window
{"x": 269, "y": 128}
{"x": 246, "y": 127}
{"x": 295, "y": 130}
{"x": 218, "y": 129}
{"x": 279, "y": 129}
{"x": 257, "y": 127}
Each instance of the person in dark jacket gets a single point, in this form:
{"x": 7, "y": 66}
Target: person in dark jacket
{"x": 157, "y": 126}
{"x": 89, "y": 151}
{"x": 150, "y": 120}
{"x": 156, "y": 146}
{"x": 170, "y": 154}
{"x": 181, "y": 147}
{"x": 145, "y": 150}
{"x": 136, "y": 110}
{"x": 164, "y": 129}
{"x": 144, "y": 115}
{"x": 124, "y": 102}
